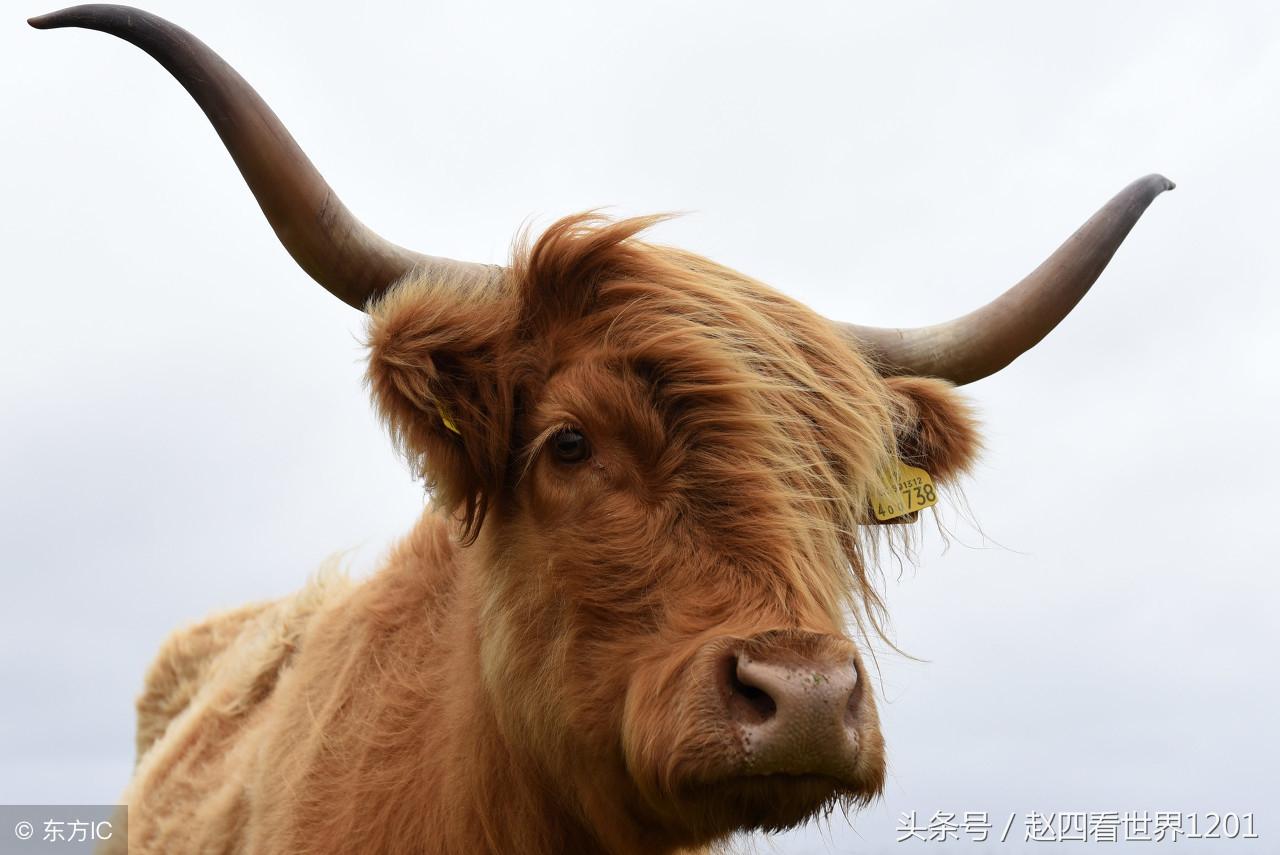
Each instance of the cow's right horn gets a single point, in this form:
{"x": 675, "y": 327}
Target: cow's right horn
{"x": 337, "y": 250}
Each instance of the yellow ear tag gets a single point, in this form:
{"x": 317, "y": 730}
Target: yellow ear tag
{"x": 445, "y": 420}
{"x": 905, "y": 490}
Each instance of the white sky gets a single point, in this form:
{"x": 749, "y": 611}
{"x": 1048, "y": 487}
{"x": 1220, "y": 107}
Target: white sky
{"x": 183, "y": 427}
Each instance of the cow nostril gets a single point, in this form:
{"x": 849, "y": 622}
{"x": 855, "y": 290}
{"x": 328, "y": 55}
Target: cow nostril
{"x": 748, "y": 704}
{"x": 853, "y": 705}
{"x": 790, "y": 705}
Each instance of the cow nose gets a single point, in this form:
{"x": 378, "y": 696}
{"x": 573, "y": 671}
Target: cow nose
{"x": 797, "y": 715}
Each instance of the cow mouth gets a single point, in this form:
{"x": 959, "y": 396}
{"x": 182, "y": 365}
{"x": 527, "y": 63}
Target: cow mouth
{"x": 767, "y": 802}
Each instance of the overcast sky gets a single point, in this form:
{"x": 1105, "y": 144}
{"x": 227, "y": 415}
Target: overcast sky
{"x": 183, "y": 427}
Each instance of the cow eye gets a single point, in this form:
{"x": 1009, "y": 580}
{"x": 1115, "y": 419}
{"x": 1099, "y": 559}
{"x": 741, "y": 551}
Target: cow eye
{"x": 570, "y": 446}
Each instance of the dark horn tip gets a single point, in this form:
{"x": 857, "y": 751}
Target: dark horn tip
{"x": 68, "y": 17}
{"x": 44, "y": 22}
{"x": 89, "y": 15}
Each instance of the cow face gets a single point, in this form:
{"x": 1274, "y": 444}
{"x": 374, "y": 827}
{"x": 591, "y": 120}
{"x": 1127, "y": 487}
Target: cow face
{"x": 665, "y": 471}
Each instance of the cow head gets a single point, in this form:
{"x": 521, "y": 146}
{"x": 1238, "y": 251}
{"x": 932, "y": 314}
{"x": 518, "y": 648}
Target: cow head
{"x": 667, "y": 470}
{"x": 662, "y": 472}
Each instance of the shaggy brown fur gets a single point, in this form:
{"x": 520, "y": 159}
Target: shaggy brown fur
{"x": 524, "y": 675}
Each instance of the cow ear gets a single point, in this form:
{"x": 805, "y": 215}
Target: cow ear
{"x": 436, "y": 379}
{"x": 936, "y": 429}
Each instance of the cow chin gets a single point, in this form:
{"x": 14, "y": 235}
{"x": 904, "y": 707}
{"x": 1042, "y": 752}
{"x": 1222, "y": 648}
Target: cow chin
{"x": 757, "y": 733}
{"x": 762, "y": 802}
{"x": 744, "y": 800}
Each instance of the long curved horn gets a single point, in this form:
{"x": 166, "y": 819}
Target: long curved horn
{"x": 349, "y": 259}
{"x": 982, "y": 342}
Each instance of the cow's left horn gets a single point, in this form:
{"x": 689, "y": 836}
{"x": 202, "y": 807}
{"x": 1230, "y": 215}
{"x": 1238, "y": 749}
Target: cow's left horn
{"x": 337, "y": 250}
{"x": 982, "y": 342}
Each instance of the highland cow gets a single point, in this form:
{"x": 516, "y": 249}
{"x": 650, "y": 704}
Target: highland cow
{"x": 627, "y": 621}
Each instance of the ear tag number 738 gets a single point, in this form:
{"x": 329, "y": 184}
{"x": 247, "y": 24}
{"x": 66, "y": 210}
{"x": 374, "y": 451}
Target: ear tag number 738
{"x": 904, "y": 491}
